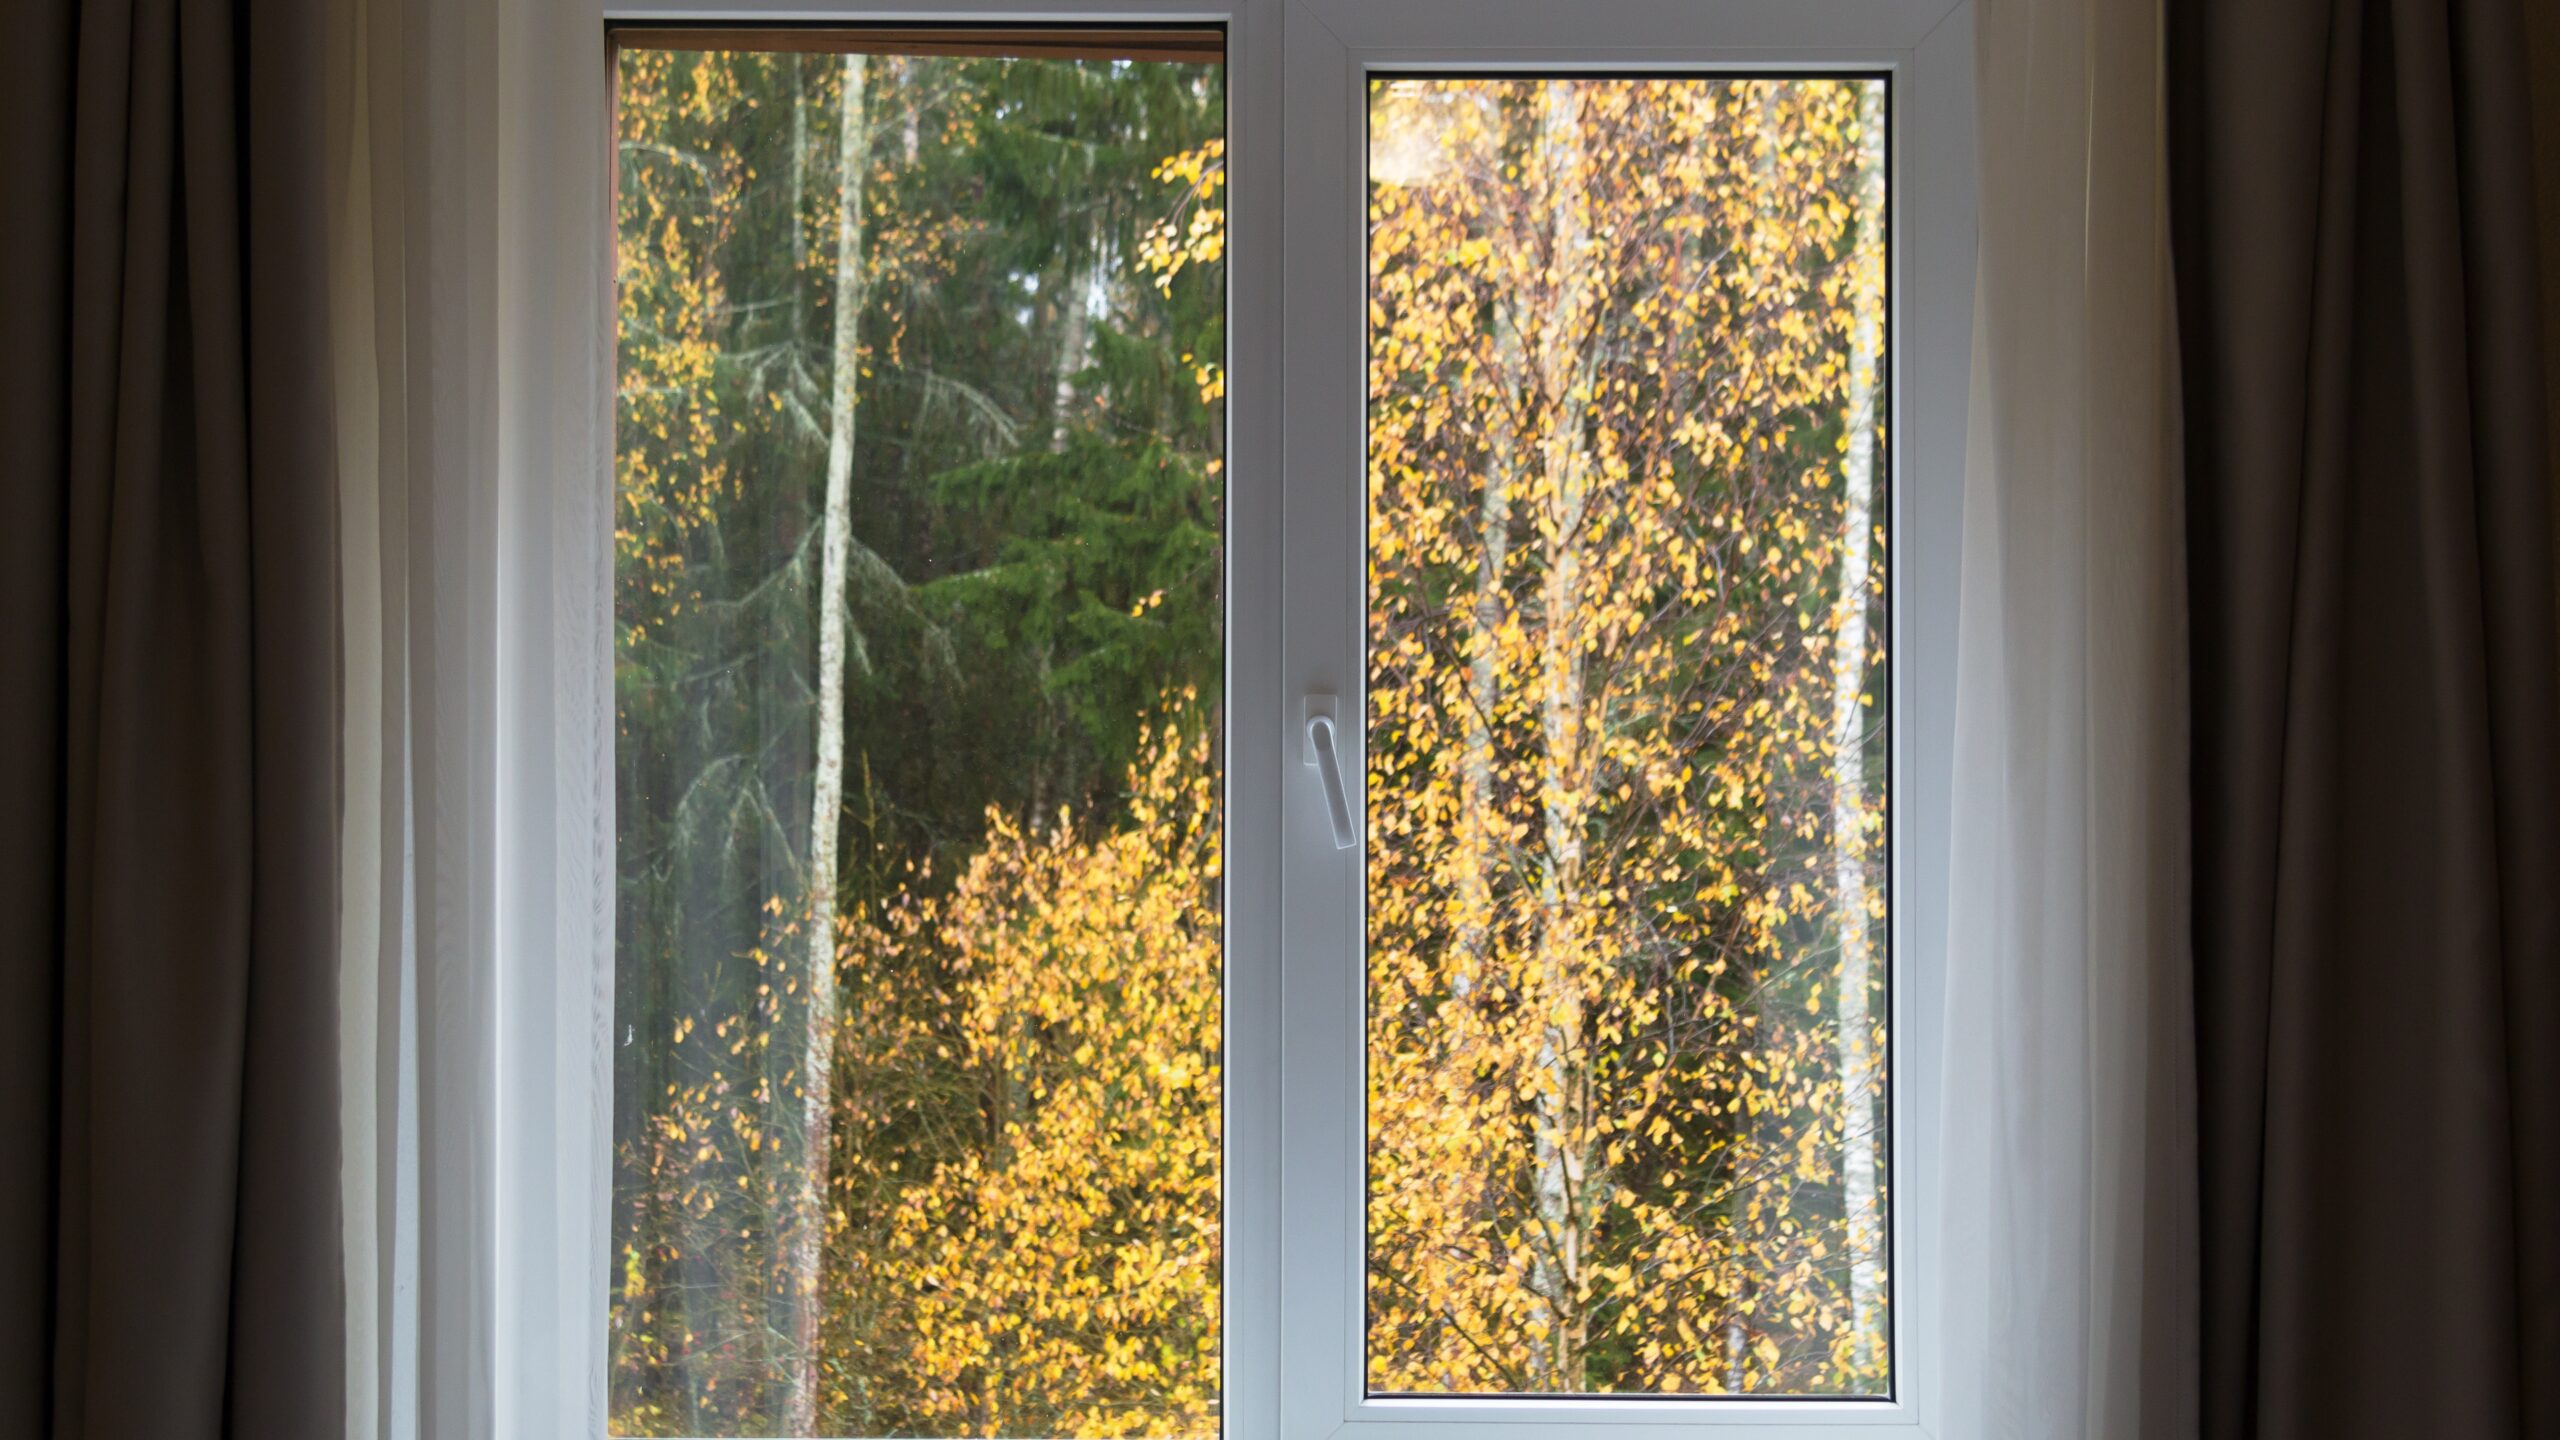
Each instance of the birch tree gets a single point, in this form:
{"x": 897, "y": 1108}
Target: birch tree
{"x": 1561, "y": 380}
{"x": 1851, "y": 814}
{"x": 826, "y": 801}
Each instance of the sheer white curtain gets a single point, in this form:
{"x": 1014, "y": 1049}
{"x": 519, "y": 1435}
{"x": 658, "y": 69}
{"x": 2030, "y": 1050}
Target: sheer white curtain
{"x": 470, "y": 272}
{"x": 2065, "y": 1197}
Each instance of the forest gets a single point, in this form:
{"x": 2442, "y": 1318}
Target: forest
{"x": 918, "y": 567}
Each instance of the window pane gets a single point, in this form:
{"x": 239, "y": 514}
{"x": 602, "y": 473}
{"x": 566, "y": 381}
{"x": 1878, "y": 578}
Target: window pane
{"x": 1627, "y": 752}
{"x": 918, "y": 662}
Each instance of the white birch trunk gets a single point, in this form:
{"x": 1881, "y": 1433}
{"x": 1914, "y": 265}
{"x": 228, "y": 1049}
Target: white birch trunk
{"x": 1848, "y": 749}
{"x": 799, "y": 177}
{"x": 1484, "y": 675}
{"x": 1561, "y": 372}
{"x": 1086, "y": 302}
{"x": 817, "y": 1076}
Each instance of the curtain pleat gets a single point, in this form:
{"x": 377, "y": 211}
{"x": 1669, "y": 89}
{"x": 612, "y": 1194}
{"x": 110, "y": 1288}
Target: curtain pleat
{"x": 170, "y": 1217}
{"x": 2543, "y": 45}
{"x": 35, "y": 331}
{"x": 2065, "y": 1206}
{"x": 469, "y": 179}
{"x": 2376, "y": 719}
{"x": 414, "y": 268}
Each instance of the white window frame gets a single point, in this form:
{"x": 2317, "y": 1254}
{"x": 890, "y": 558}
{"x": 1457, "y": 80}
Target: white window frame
{"x": 1294, "y": 981}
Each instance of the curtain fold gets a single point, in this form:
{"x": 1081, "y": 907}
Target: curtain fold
{"x": 168, "y": 876}
{"x": 2377, "y": 719}
{"x": 2543, "y": 48}
{"x": 2065, "y": 1207}
{"x": 471, "y": 249}
{"x": 35, "y": 338}
{"x": 411, "y": 196}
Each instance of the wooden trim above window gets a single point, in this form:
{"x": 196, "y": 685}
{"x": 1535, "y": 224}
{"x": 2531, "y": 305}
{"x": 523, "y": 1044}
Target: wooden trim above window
{"x": 1192, "y": 44}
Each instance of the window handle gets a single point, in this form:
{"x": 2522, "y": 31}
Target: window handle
{"x": 1325, "y": 754}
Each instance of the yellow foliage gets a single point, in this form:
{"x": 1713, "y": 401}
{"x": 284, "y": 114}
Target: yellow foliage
{"x": 1064, "y": 1277}
{"x": 1599, "y": 767}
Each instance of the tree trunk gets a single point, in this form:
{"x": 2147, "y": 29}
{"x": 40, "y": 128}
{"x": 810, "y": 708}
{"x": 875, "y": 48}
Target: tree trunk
{"x": 817, "y": 1076}
{"x": 1484, "y": 670}
{"x": 902, "y": 78}
{"x": 1737, "y": 1346}
{"x": 799, "y": 182}
{"x": 1084, "y": 305}
{"x": 1848, "y": 746}
{"x": 1563, "y": 386}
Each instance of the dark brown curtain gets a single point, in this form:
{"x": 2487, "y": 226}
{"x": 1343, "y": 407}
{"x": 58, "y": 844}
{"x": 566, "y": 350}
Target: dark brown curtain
{"x": 169, "y": 1234}
{"x": 2544, "y": 23}
{"x": 2376, "y": 724}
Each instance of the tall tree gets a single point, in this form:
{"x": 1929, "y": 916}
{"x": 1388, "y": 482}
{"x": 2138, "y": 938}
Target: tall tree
{"x": 1562, "y": 367}
{"x": 1084, "y": 303}
{"x": 1851, "y": 811}
{"x": 1479, "y": 851}
{"x": 826, "y": 805}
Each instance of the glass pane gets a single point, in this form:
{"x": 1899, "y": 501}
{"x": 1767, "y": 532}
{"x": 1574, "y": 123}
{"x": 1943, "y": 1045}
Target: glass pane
{"x": 1627, "y": 751}
{"x": 918, "y": 659}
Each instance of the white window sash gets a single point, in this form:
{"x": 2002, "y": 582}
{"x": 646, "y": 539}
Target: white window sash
{"x": 1925, "y": 46}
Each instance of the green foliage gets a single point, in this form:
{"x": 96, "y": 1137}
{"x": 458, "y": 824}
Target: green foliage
{"x": 1109, "y": 560}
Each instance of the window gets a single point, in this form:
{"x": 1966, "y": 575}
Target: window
{"x": 1272, "y": 677}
